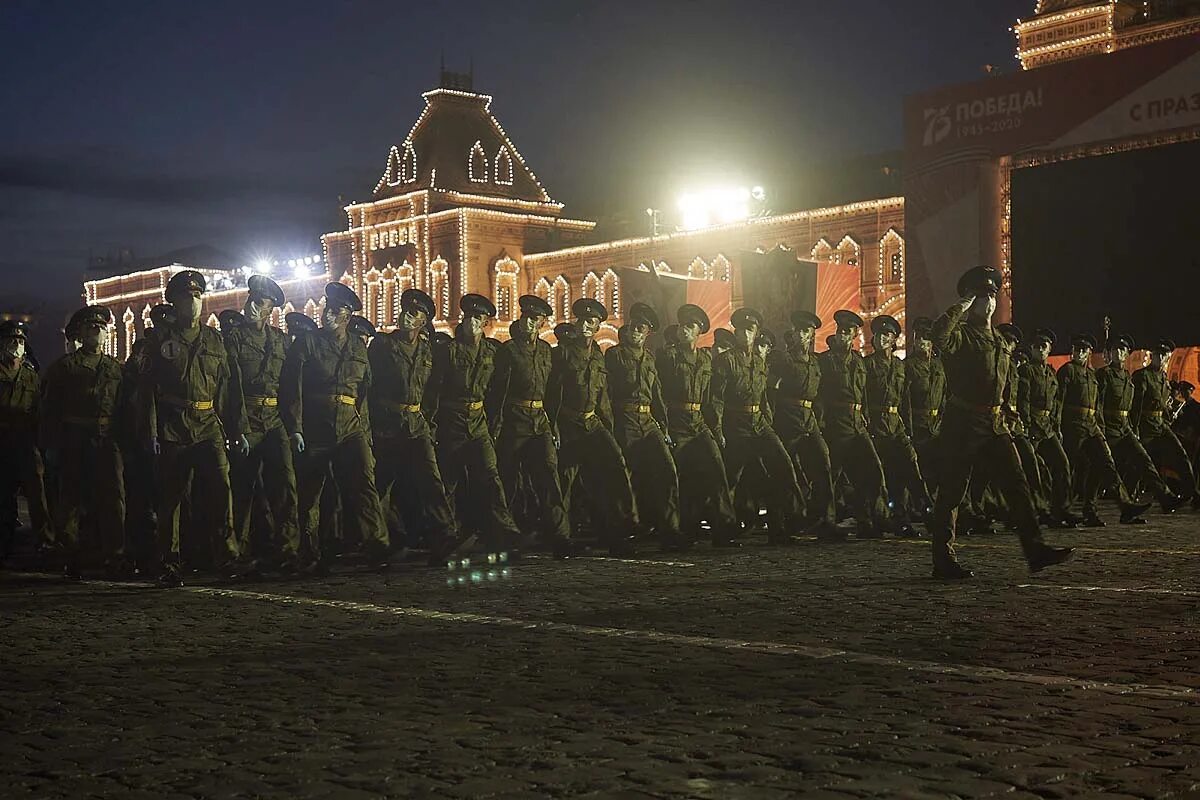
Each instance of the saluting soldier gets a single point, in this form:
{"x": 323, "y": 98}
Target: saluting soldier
{"x": 886, "y": 389}
{"x": 978, "y": 364}
{"x": 188, "y": 411}
{"x": 1041, "y": 416}
{"x": 1083, "y": 438}
{"x": 1151, "y": 398}
{"x": 258, "y": 350}
{"x": 795, "y": 377}
{"x": 406, "y": 471}
{"x": 843, "y": 399}
{"x": 462, "y": 373}
{"x": 78, "y": 410}
{"x": 924, "y": 397}
{"x": 686, "y": 375}
{"x": 742, "y": 423}
{"x": 640, "y": 418}
{"x": 324, "y": 389}
{"x": 21, "y": 468}
{"x": 516, "y": 409}
{"x": 580, "y": 412}
{"x": 1115, "y": 403}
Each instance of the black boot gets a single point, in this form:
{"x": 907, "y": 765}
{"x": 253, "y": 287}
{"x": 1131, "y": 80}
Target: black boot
{"x": 1043, "y": 555}
{"x": 1091, "y": 520}
{"x": 951, "y": 571}
{"x": 1131, "y": 514}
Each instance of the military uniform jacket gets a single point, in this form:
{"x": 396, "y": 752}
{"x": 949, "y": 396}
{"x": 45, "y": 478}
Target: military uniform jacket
{"x": 79, "y": 390}
{"x": 462, "y": 373}
{"x": 885, "y": 394}
{"x": 925, "y": 393}
{"x": 1038, "y": 401}
{"x": 18, "y": 399}
{"x": 400, "y": 398}
{"x": 1078, "y": 395}
{"x": 633, "y": 384}
{"x": 686, "y": 377}
{"x": 795, "y": 379}
{"x": 1150, "y": 393}
{"x": 186, "y": 389}
{"x": 516, "y": 401}
{"x": 739, "y": 387}
{"x": 324, "y": 388}
{"x": 978, "y": 364}
{"x": 257, "y": 357}
{"x": 577, "y": 399}
{"x": 1116, "y": 400}
{"x": 843, "y": 393}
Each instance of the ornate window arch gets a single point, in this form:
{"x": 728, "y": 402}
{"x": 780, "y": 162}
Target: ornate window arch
{"x": 849, "y": 251}
{"x": 542, "y": 289}
{"x": 891, "y": 258}
{"x": 699, "y": 268}
{"x": 822, "y": 250}
{"x": 721, "y": 268}
{"x": 610, "y": 294}
{"x": 147, "y": 323}
{"x": 129, "y": 318}
{"x": 408, "y": 164}
{"x": 439, "y": 286}
{"x": 560, "y": 299}
{"x": 591, "y": 287}
{"x": 503, "y": 171}
{"x": 288, "y": 308}
{"x": 477, "y": 164}
{"x": 312, "y": 310}
{"x": 507, "y": 271}
{"x": 392, "y": 175}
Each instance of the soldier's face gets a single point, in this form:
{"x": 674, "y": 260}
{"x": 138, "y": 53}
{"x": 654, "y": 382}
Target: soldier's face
{"x": 475, "y": 324}
{"x": 744, "y": 337}
{"x": 1120, "y": 354}
{"x": 530, "y": 325}
{"x": 13, "y": 347}
{"x": 1081, "y": 353}
{"x": 844, "y": 338}
{"x": 885, "y": 340}
{"x": 984, "y": 306}
{"x": 804, "y": 337}
{"x": 335, "y": 317}
{"x": 90, "y": 333}
{"x": 1160, "y": 360}
{"x": 689, "y": 332}
{"x": 1041, "y": 351}
{"x": 638, "y": 333}
{"x": 187, "y": 307}
{"x": 589, "y": 326}
{"x": 764, "y": 348}
{"x": 413, "y": 319}
{"x": 258, "y": 308}
{"x": 925, "y": 347}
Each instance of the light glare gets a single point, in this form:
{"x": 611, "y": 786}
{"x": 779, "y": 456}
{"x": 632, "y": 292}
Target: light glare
{"x": 717, "y": 206}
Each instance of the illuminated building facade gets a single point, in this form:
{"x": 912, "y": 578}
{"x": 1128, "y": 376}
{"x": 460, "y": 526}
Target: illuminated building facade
{"x": 1061, "y": 30}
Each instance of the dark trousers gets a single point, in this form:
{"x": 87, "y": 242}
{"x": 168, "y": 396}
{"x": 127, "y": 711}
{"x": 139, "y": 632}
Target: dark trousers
{"x": 1056, "y": 478}
{"x": 353, "y": 469}
{"x": 267, "y": 473}
{"x": 594, "y": 458}
{"x": 654, "y": 479}
{"x": 810, "y": 455}
{"x": 782, "y": 492}
{"x": 902, "y": 472}
{"x": 408, "y": 477}
{"x": 1093, "y": 463}
{"x": 470, "y": 465}
{"x": 1172, "y": 461}
{"x": 534, "y": 459}
{"x": 21, "y": 470}
{"x": 199, "y": 471}
{"x": 1135, "y": 466}
{"x": 855, "y": 455}
{"x": 91, "y": 482}
{"x": 703, "y": 485}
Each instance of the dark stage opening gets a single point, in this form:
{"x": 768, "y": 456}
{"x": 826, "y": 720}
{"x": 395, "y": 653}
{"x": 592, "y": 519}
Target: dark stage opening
{"x": 1115, "y": 235}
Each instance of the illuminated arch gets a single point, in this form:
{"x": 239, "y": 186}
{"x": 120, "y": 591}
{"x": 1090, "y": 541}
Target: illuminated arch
{"x": 477, "y": 164}
{"x": 822, "y": 250}
{"x": 891, "y": 258}
{"x": 507, "y": 271}
{"x": 392, "y": 174}
{"x": 610, "y": 294}
{"x": 503, "y": 170}
{"x": 439, "y": 287}
{"x": 699, "y": 268}
{"x": 591, "y": 287}
{"x": 849, "y": 251}
{"x": 128, "y": 318}
{"x": 560, "y": 299}
{"x": 721, "y": 268}
{"x": 408, "y": 164}
{"x": 542, "y": 289}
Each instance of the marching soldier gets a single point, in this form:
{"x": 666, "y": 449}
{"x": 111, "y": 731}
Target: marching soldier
{"x": 462, "y": 373}
{"x": 324, "y": 388}
{"x": 1041, "y": 415}
{"x": 1151, "y": 396}
{"x": 21, "y": 468}
{"x": 1115, "y": 402}
{"x": 362, "y": 328}
{"x": 795, "y": 376}
{"x": 742, "y": 422}
{"x": 78, "y": 408}
{"x": 1083, "y": 438}
{"x": 407, "y": 470}
{"x": 843, "y": 397}
{"x": 187, "y": 405}
{"x": 686, "y": 375}
{"x": 640, "y": 418}
{"x": 886, "y": 389}
{"x": 258, "y": 350}
{"x": 1015, "y": 416}
{"x": 580, "y": 412}
{"x": 978, "y": 365}
{"x": 299, "y": 324}
{"x": 525, "y": 442}
{"x": 924, "y": 397}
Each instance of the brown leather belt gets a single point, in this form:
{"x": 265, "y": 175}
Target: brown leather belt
{"x": 194, "y": 405}
{"x": 527, "y": 403}
{"x": 690, "y": 407}
{"x": 637, "y": 408}
{"x": 256, "y": 400}
{"x": 344, "y": 399}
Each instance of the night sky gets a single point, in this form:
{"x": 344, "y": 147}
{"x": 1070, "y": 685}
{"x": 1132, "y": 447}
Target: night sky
{"x": 239, "y": 124}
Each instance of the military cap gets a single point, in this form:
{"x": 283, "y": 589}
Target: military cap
{"x": 1023, "y": 351}
{"x": 230, "y": 319}
{"x": 692, "y": 313}
{"x": 1010, "y": 331}
{"x": 723, "y": 337}
{"x": 440, "y": 338}
{"x": 533, "y": 306}
{"x": 745, "y": 317}
{"x": 262, "y": 286}
{"x": 921, "y": 328}
{"x": 418, "y": 301}
{"x": 187, "y": 280}
{"x": 587, "y": 307}
{"x": 162, "y": 314}
{"x": 1085, "y": 339}
{"x": 979, "y": 280}
{"x": 1045, "y": 335}
{"x": 885, "y": 323}
{"x": 565, "y": 330}
{"x": 642, "y": 312}
{"x": 1122, "y": 340}
{"x": 1165, "y": 346}
{"x": 805, "y": 319}
{"x": 89, "y": 314}
{"x": 1186, "y": 388}
{"x": 299, "y": 323}
{"x": 670, "y": 334}
{"x": 474, "y": 305}
{"x": 765, "y": 337}
{"x": 339, "y": 295}
{"x": 846, "y": 319}
{"x": 360, "y": 326}
{"x": 12, "y": 329}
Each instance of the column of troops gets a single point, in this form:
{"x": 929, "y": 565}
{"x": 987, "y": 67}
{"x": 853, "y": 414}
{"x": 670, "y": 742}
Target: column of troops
{"x": 249, "y": 450}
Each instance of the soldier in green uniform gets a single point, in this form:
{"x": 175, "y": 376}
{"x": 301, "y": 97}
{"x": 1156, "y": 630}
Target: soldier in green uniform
{"x": 462, "y": 373}
{"x": 1015, "y": 416}
{"x": 21, "y": 468}
{"x": 580, "y": 412}
{"x": 516, "y": 410}
{"x": 324, "y": 389}
{"x": 686, "y": 374}
{"x": 886, "y": 390}
{"x": 640, "y": 424}
{"x": 257, "y": 351}
{"x": 1115, "y": 402}
{"x": 406, "y": 470}
{"x": 794, "y": 375}
{"x": 924, "y": 397}
{"x": 742, "y": 423}
{"x": 78, "y": 409}
{"x": 978, "y": 365}
{"x": 842, "y": 402}
{"x": 1151, "y": 398}
{"x": 188, "y": 410}
{"x": 1083, "y": 438}
{"x": 1041, "y": 416}
{"x": 363, "y": 329}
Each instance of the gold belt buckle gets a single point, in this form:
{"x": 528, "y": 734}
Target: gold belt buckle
{"x": 262, "y": 400}
{"x": 639, "y": 408}
{"x": 345, "y": 399}
{"x": 534, "y": 404}
{"x": 893, "y": 409}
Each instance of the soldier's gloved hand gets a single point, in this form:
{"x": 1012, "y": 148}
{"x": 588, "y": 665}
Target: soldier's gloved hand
{"x": 721, "y": 440}
{"x": 243, "y": 445}
{"x": 298, "y": 442}
{"x": 557, "y": 441}
{"x": 669, "y": 440}
{"x": 155, "y": 448}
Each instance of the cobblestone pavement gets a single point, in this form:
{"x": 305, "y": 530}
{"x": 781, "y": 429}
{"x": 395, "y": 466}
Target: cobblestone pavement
{"x": 823, "y": 671}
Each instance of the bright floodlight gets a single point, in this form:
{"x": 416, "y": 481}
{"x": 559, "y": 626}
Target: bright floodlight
{"x": 713, "y": 207}
{"x": 263, "y": 266}
{"x": 301, "y": 270}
